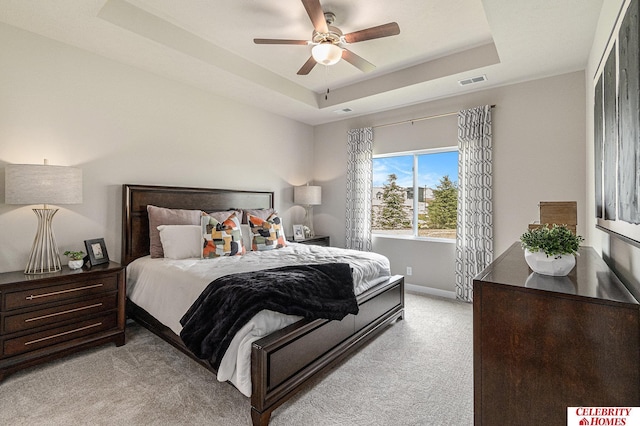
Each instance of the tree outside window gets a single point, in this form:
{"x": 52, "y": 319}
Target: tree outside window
{"x": 393, "y": 213}
{"x": 415, "y": 194}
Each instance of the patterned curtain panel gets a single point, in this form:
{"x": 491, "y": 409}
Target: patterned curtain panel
{"x": 359, "y": 181}
{"x": 474, "y": 235}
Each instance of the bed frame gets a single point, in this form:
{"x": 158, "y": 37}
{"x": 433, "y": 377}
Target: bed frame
{"x": 284, "y": 361}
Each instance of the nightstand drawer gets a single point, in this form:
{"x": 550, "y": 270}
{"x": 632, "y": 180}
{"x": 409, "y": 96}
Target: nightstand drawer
{"x": 57, "y": 335}
{"x": 57, "y": 314}
{"x": 54, "y": 293}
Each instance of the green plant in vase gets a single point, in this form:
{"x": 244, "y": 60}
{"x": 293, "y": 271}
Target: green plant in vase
{"x": 551, "y": 250}
{"x": 74, "y": 255}
{"x": 76, "y": 259}
{"x": 552, "y": 241}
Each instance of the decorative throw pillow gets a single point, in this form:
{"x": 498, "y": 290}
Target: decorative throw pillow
{"x": 221, "y": 238}
{"x": 181, "y": 241}
{"x": 261, "y": 213}
{"x": 221, "y": 216}
{"x": 163, "y": 216}
{"x": 266, "y": 234}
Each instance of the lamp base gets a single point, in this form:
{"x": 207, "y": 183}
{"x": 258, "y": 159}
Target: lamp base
{"x": 44, "y": 257}
{"x": 308, "y": 222}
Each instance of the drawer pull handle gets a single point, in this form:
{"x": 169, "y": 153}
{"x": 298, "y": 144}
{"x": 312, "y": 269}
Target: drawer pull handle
{"x": 31, "y": 342}
{"x": 63, "y": 291}
{"x": 63, "y": 312}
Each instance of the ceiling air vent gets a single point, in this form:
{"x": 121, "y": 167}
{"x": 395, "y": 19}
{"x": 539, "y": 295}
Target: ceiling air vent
{"x": 343, "y": 111}
{"x": 472, "y": 80}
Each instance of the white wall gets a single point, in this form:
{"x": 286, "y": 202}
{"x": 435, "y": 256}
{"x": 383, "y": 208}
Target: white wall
{"x": 538, "y": 155}
{"x": 623, "y": 258}
{"x": 123, "y": 125}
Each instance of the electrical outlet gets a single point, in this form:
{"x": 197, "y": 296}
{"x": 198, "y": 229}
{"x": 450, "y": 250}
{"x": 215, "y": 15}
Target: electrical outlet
{"x": 409, "y": 271}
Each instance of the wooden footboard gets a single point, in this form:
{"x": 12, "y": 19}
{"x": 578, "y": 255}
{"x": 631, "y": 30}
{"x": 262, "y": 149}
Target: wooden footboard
{"x": 284, "y": 361}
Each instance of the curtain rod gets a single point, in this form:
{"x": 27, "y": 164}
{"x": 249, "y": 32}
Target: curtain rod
{"x": 446, "y": 114}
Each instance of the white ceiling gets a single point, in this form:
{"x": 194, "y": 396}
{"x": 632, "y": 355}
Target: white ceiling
{"x": 209, "y": 44}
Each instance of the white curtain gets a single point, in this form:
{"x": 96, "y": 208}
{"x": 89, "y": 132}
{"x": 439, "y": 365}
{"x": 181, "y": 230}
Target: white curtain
{"x": 359, "y": 181}
{"x": 474, "y": 235}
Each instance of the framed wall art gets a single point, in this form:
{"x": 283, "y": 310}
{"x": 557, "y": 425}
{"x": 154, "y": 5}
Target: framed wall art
{"x": 617, "y": 130}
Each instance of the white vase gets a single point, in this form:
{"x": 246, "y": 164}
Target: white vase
{"x": 75, "y": 264}
{"x": 557, "y": 266}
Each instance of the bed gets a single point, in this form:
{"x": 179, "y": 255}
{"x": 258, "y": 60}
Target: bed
{"x": 282, "y": 362}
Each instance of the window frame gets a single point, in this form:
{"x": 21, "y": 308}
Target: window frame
{"x": 415, "y": 153}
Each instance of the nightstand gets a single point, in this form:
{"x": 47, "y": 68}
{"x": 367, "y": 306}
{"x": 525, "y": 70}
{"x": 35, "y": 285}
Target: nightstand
{"x": 47, "y": 316}
{"x": 318, "y": 240}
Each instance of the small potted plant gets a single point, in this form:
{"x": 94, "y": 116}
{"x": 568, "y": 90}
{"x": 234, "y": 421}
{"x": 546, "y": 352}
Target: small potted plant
{"x": 76, "y": 259}
{"x": 551, "y": 250}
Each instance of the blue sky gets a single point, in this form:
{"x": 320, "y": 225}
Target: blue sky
{"x": 431, "y": 168}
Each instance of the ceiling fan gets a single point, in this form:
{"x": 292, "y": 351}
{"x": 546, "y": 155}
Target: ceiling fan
{"x": 329, "y": 44}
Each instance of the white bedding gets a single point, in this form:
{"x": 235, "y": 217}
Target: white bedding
{"x": 166, "y": 288}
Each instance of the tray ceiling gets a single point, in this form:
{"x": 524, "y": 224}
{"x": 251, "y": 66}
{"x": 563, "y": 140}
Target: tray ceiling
{"x": 209, "y": 45}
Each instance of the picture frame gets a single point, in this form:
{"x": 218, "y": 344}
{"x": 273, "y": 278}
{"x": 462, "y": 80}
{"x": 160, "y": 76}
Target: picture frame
{"x": 96, "y": 251}
{"x": 298, "y": 232}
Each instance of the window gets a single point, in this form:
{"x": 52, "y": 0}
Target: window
{"x": 415, "y": 194}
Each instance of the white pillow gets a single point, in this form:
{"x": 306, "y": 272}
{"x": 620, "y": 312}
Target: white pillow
{"x": 181, "y": 241}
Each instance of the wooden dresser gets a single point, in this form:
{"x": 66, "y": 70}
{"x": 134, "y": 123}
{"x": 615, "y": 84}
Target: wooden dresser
{"x": 542, "y": 344}
{"x": 43, "y": 317}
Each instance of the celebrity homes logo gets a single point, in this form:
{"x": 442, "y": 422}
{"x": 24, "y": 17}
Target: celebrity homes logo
{"x": 603, "y": 416}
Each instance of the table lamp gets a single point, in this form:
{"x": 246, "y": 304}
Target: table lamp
{"x": 308, "y": 196}
{"x": 43, "y": 184}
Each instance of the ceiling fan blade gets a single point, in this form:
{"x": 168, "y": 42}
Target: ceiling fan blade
{"x": 307, "y": 67}
{"x": 315, "y": 12}
{"x": 278, "y": 41}
{"x": 357, "y": 61}
{"x": 380, "y": 31}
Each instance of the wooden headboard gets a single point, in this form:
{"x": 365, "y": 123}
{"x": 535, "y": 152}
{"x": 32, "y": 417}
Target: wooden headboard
{"x": 135, "y": 198}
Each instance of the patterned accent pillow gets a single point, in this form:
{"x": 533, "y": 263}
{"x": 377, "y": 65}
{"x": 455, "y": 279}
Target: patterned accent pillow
{"x": 261, "y": 213}
{"x": 221, "y": 238}
{"x": 221, "y": 216}
{"x": 266, "y": 234}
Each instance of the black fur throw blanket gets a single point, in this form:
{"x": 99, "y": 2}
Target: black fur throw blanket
{"x": 229, "y": 302}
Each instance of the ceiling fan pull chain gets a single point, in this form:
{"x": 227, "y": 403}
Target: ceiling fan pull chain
{"x": 326, "y": 79}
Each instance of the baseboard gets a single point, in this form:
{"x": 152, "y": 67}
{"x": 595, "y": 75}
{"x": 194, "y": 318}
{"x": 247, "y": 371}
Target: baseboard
{"x": 430, "y": 291}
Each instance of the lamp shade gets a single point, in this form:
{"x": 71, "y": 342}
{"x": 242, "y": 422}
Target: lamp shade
{"x": 42, "y": 184}
{"x": 307, "y": 195}
{"x": 326, "y": 53}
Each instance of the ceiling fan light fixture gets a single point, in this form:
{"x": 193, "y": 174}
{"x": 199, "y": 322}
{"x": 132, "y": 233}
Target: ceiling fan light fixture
{"x": 326, "y": 53}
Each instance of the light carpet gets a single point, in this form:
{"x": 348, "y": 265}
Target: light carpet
{"x": 418, "y": 372}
